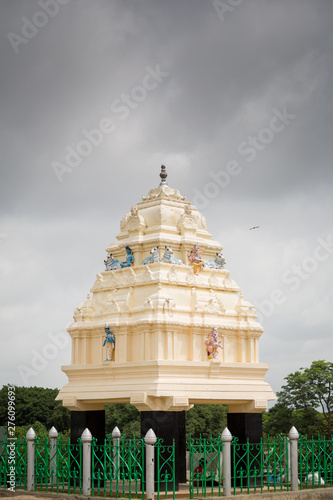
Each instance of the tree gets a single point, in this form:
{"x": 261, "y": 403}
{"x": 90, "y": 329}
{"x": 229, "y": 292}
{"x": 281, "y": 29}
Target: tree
{"x": 308, "y": 396}
{"x": 206, "y": 420}
{"x": 35, "y": 404}
{"x": 279, "y": 419}
{"x": 124, "y": 416}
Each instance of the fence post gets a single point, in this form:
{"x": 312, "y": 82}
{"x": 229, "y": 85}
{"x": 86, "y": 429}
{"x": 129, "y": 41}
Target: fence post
{"x": 226, "y": 438}
{"x": 86, "y": 439}
{"x": 294, "y": 436}
{"x": 150, "y": 440}
{"x": 30, "y": 437}
{"x": 116, "y": 450}
{"x": 53, "y": 436}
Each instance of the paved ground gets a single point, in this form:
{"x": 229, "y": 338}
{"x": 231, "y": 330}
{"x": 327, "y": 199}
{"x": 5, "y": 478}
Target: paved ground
{"x": 317, "y": 494}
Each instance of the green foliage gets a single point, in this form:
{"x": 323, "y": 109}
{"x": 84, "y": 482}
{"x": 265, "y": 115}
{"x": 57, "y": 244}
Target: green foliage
{"x": 124, "y": 416}
{"x": 40, "y": 430}
{"x": 279, "y": 419}
{"x": 201, "y": 420}
{"x": 206, "y": 420}
{"x": 35, "y": 404}
{"x": 305, "y": 401}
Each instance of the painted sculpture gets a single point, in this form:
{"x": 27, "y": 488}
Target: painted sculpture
{"x": 129, "y": 258}
{"x": 111, "y": 263}
{"x": 217, "y": 263}
{"x": 213, "y": 344}
{"x": 167, "y": 257}
{"x": 195, "y": 259}
{"x": 110, "y": 343}
{"x": 154, "y": 257}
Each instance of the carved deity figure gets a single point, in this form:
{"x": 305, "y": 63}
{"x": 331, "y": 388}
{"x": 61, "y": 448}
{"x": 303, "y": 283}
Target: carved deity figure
{"x": 195, "y": 259}
{"x": 213, "y": 344}
{"x": 129, "y": 258}
{"x": 110, "y": 343}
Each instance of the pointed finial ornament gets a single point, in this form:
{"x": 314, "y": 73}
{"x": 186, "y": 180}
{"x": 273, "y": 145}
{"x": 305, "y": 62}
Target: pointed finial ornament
{"x": 163, "y": 176}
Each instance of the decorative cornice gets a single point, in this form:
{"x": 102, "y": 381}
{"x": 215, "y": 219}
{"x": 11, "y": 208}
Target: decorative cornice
{"x": 164, "y": 192}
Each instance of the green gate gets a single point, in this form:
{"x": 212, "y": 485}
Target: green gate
{"x": 205, "y": 466}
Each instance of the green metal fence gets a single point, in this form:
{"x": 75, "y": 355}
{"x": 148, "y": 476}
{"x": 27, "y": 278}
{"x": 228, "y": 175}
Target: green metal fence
{"x": 261, "y": 466}
{"x": 118, "y": 466}
{"x": 165, "y": 457}
{"x": 315, "y": 457}
{"x": 58, "y": 468}
{"x": 19, "y": 462}
{"x": 205, "y": 473}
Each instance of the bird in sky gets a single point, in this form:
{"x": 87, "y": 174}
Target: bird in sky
{"x": 254, "y": 227}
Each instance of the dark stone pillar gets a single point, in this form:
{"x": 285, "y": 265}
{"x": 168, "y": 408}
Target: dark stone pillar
{"x": 247, "y": 427}
{"x": 81, "y": 420}
{"x": 93, "y": 420}
{"x": 169, "y": 425}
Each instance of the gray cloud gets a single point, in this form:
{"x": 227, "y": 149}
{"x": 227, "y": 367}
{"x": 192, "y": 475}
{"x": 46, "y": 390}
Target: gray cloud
{"x": 224, "y": 80}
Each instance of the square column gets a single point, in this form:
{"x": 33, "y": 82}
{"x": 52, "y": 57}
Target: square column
{"x": 93, "y": 420}
{"x": 169, "y": 425}
{"x": 247, "y": 427}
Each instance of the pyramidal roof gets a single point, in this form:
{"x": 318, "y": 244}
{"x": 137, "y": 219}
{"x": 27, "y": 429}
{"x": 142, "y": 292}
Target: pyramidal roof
{"x": 164, "y": 214}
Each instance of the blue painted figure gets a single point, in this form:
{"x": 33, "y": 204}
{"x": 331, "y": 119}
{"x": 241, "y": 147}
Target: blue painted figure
{"x": 110, "y": 342}
{"x": 167, "y": 257}
{"x": 155, "y": 257}
{"x": 129, "y": 258}
{"x": 217, "y": 263}
{"x": 111, "y": 263}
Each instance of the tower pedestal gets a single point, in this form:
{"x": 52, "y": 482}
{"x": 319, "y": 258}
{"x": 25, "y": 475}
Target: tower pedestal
{"x": 247, "y": 427}
{"x": 93, "y": 420}
{"x": 169, "y": 425}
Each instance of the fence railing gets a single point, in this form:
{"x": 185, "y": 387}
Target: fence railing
{"x": 123, "y": 467}
{"x": 119, "y": 467}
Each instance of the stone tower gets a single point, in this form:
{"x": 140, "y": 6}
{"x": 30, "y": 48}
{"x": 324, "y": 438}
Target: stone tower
{"x": 161, "y": 314}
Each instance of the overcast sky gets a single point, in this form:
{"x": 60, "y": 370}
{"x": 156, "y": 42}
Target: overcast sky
{"x": 234, "y": 97}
